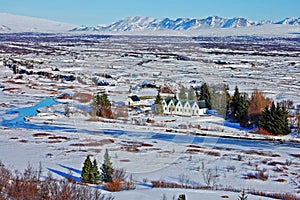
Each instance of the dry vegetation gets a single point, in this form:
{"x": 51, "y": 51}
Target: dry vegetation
{"x": 31, "y": 185}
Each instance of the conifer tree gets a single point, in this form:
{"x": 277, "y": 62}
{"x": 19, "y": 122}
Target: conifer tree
{"x": 274, "y": 119}
{"x": 157, "y": 105}
{"x": 239, "y": 108}
{"x": 205, "y": 95}
{"x": 95, "y": 174}
{"x": 107, "y": 169}
{"x": 86, "y": 170}
{"x": 242, "y": 112}
{"x": 101, "y": 105}
{"x": 236, "y": 99}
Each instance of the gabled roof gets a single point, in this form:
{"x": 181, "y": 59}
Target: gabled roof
{"x": 135, "y": 98}
{"x": 200, "y": 104}
{"x": 184, "y": 103}
{"x": 168, "y": 100}
{"x": 192, "y": 103}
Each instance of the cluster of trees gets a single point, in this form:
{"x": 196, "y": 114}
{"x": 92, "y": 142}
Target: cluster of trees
{"x": 256, "y": 111}
{"x": 260, "y": 112}
{"x": 113, "y": 179}
{"x": 90, "y": 171}
{"x": 101, "y": 106}
{"x": 274, "y": 119}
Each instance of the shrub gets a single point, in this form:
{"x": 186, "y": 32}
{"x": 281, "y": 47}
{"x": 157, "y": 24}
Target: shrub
{"x": 113, "y": 186}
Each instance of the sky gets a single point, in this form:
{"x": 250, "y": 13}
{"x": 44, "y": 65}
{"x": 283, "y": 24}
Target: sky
{"x": 94, "y": 12}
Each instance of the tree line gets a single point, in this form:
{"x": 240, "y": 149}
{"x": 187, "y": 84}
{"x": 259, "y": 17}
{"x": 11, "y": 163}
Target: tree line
{"x": 256, "y": 111}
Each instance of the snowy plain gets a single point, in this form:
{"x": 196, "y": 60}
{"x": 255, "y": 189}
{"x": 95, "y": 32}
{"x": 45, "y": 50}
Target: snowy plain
{"x": 61, "y": 143}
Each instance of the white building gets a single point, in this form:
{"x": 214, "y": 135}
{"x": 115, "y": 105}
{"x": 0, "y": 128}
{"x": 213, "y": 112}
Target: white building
{"x": 132, "y": 101}
{"x": 172, "y": 106}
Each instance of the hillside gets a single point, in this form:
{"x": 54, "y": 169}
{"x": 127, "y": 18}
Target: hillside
{"x": 16, "y": 23}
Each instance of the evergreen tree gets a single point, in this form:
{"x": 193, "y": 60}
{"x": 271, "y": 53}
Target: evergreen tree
{"x": 205, "y": 95}
{"x": 242, "y": 112}
{"x": 107, "y": 169}
{"x": 236, "y": 99}
{"x": 101, "y": 105}
{"x": 86, "y": 170}
{"x": 158, "y": 105}
{"x": 239, "y": 108}
{"x": 95, "y": 174}
{"x": 274, "y": 119}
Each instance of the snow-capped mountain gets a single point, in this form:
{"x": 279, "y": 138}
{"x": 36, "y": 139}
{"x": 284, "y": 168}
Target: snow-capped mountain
{"x": 149, "y": 23}
{"x": 290, "y": 21}
{"x": 17, "y": 23}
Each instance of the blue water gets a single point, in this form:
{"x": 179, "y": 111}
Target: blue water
{"x": 19, "y": 121}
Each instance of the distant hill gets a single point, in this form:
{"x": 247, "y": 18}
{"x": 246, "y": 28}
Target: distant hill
{"x": 210, "y": 26}
{"x": 290, "y": 21}
{"x": 152, "y": 24}
{"x": 16, "y": 23}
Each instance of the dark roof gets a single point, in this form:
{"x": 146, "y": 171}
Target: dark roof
{"x": 168, "y": 100}
{"x": 202, "y": 104}
{"x": 135, "y": 98}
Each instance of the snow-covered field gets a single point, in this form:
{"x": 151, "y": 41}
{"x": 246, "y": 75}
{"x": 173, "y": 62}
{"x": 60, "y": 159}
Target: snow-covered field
{"x": 146, "y": 151}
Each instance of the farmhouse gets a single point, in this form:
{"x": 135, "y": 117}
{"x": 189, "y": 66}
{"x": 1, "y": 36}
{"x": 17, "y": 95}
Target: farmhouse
{"x": 172, "y": 106}
{"x": 133, "y": 101}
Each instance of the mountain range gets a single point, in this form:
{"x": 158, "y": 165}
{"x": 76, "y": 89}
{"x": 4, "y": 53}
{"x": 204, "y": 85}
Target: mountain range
{"x": 179, "y": 24}
{"x": 16, "y": 23}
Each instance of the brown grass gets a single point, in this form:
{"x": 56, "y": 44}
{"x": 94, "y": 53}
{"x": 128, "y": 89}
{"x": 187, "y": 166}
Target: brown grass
{"x": 131, "y": 148}
{"x": 54, "y": 141}
{"x": 195, "y": 146}
{"x": 125, "y": 160}
{"x": 261, "y": 153}
{"x": 213, "y": 153}
{"x": 107, "y": 141}
{"x": 77, "y": 145}
{"x": 280, "y": 180}
{"x": 15, "y": 82}
{"x": 82, "y": 97}
{"x": 24, "y": 141}
{"x": 274, "y": 163}
{"x": 41, "y": 134}
{"x": 163, "y": 184}
{"x": 58, "y": 137}
{"x": 10, "y": 89}
{"x": 193, "y": 151}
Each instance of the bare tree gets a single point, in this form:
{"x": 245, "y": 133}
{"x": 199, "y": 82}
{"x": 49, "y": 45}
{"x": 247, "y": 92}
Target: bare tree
{"x": 209, "y": 177}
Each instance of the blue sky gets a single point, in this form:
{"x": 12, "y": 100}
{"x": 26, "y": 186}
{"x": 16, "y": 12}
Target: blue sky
{"x": 93, "y": 12}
